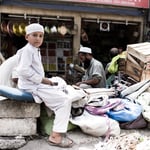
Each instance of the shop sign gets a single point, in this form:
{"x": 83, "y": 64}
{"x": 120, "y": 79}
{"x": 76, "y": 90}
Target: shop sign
{"x": 128, "y": 3}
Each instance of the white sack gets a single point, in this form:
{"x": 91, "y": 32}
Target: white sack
{"x": 96, "y": 125}
{"x": 144, "y": 100}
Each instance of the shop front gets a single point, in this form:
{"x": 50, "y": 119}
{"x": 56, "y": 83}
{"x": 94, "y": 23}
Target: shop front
{"x": 68, "y": 25}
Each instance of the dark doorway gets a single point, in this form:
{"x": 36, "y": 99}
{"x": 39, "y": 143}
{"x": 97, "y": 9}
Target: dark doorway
{"x": 102, "y": 38}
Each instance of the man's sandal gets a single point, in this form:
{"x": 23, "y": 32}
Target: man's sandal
{"x": 65, "y": 143}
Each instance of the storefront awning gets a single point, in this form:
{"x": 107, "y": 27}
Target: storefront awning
{"x": 71, "y": 7}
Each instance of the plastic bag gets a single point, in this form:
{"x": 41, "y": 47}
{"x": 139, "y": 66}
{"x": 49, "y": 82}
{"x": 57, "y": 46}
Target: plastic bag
{"x": 100, "y": 110}
{"x": 130, "y": 111}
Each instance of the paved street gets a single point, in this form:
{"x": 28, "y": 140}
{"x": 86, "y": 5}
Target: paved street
{"x": 82, "y": 141}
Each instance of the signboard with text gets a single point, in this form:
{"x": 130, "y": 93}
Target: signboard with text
{"x": 128, "y": 3}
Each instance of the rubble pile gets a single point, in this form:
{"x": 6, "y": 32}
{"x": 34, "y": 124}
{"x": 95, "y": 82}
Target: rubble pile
{"x": 125, "y": 141}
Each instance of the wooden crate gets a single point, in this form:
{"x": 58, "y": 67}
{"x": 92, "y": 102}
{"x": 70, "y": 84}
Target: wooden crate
{"x": 121, "y": 64}
{"x": 138, "y": 61}
{"x": 140, "y": 51}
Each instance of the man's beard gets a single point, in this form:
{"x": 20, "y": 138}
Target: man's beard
{"x": 87, "y": 63}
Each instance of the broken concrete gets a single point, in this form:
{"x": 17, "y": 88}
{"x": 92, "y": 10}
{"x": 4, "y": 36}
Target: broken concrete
{"x": 14, "y": 127}
{"x": 11, "y": 143}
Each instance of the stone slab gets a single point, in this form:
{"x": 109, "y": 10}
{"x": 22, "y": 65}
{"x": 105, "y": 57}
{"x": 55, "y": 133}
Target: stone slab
{"x": 15, "y": 109}
{"x": 15, "y": 127}
{"x": 11, "y": 143}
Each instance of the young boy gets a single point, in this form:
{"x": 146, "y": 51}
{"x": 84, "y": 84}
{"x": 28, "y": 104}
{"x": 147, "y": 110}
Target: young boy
{"x": 31, "y": 79}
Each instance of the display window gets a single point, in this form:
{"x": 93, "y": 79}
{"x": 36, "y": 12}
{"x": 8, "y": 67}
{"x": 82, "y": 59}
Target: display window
{"x": 58, "y": 39}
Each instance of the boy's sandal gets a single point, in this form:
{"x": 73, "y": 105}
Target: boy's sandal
{"x": 65, "y": 143}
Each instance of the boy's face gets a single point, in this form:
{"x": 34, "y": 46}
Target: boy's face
{"x": 35, "y": 38}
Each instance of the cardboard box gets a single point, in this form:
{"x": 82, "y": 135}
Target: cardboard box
{"x": 138, "y": 61}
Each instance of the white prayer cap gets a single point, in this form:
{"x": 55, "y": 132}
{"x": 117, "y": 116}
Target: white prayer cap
{"x": 34, "y": 27}
{"x": 85, "y": 50}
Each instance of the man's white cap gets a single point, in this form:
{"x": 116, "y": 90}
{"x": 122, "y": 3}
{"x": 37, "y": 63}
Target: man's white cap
{"x": 85, "y": 50}
{"x": 34, "y": 27}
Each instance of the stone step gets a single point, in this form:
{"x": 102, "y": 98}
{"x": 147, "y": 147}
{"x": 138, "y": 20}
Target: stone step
{"x": 15, "y": 109}
{"x": 15, "y": 127}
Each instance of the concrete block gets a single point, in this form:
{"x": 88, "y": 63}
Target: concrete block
{"x": 14, "y": 127}
{"x": 11, "y": 143}
{"x": 15, "y": 109}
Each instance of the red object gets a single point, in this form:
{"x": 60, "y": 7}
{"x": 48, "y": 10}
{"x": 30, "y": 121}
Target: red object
{"x": 128, "y": 3}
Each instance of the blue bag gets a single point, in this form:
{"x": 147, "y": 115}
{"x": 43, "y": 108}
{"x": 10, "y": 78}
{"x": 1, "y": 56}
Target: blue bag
{"x": 129, "y": 112}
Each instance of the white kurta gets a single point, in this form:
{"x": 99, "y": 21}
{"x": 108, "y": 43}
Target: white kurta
{"x": 6, "y": 69}
{"x": 30, "y": 71}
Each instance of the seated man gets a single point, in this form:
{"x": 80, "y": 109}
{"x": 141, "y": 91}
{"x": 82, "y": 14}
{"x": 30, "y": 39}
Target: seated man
{"x": 94, "y": 76}
{"x": 114, "y": 67}
{"x": 112, "y": 53}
